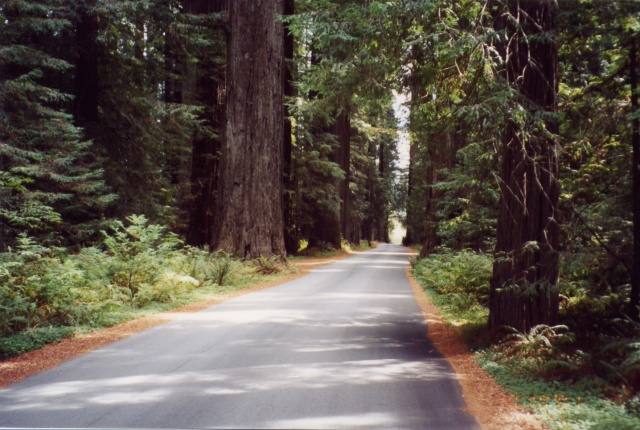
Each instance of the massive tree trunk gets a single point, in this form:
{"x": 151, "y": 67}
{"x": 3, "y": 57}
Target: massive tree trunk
{"x": 414, "y": 215}
{"x": 291, "y": 236}
{"x": 442, "y": 155}
{"x": 87, "y": 80}
{"x": 410, "y": 236}
{"x": 249, "y": 216}
{"x": 525, "y": 272}
{"x": 432, "y": 195}
{"x": 369, "y": 223}
{"x": 380, "y": 215}
{"x": 204, "y": 85}
{"x": 634, "y": 301}
{"x": 342, "y": 131}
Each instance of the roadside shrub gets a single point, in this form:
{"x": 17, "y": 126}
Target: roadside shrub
{"x": 325, "y": 246}
{"x": 32, "y": 339}
{"x": 590, "y": 303}
{"x": 541, "y": 341}
{"x": 139, "y": 253}
{"x": 464, "y": 276}
{"x": 192, "y": 262}
{"x": 320, "y": 248}
{"x": 618, "y": 361}
{"x": 543, "y": 351}
{"x": 632, "y": 405}
{"x": 47, "y": 294}
{"x": 30, "y": 294}
{"x": 95, "y": 290}
{"x": 168, "y": 289}
{"x": 220, "y": 266}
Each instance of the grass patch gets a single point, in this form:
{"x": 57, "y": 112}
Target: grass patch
{"x": 560, "y": 405}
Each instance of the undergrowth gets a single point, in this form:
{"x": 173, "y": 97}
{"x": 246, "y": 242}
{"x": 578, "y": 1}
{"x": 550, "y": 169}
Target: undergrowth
{"x": 571, "y": 377}
{"x": 458, "y": 283}
{"x": 47, "y": 294}
{"x": 325, "y": 249}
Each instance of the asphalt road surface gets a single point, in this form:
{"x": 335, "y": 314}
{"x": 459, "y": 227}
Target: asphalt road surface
{"x": 343, "y": 347}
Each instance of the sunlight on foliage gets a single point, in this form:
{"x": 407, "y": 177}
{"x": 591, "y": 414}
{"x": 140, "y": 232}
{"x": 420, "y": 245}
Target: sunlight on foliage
{"x": 47, "y": 294}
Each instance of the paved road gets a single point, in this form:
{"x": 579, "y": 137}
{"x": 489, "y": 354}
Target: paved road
{"x": 343, "y": 347}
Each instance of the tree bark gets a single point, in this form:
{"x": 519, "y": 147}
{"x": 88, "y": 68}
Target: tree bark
{"x": 291, "y": 238}
{"x": 432, "y": 195}
{"x": 634, "y": 300}
{"x": 410, "y": 236}
{"x": 442, "y": 155}
{"x": 205, "y": 86}
{"x": 525, "y": 272}
{"x": 369, "y": 224}
{"x": 87, "y": 80}
{"x": 382, "y": 222}
{"x": 342, "y": 131}
{"x": 249, "y": 216}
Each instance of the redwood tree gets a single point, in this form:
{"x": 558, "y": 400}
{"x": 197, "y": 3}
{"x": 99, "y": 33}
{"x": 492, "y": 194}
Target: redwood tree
{"x": 204, "y": 86}
{"x": 441, "y": 155}
{"x": 291, "y": 241}
{"x": 249, "y": 215}
{"x": 342, "y": 153}
{"x": 525, "y": 273}
{"x": 634, "y": 299}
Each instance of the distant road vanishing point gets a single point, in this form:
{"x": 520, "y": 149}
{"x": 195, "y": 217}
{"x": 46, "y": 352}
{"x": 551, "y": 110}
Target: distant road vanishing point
{"x": 343, "y": 347}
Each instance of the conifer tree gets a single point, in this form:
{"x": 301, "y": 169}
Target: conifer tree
{"x": 524, "y": 289}
{"x": 203, "y": 82}
{"x": 339, "y": 75}
{"x": 126, "y": 62}
{"x": 250, "y": 217}
{"x": 49, "y": 183}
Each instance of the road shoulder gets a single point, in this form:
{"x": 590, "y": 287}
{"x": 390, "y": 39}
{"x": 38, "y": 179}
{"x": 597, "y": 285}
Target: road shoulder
{"x": 487, "y": 402}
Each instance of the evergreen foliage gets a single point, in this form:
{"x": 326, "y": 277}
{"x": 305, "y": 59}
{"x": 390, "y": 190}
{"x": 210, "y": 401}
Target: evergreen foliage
{"x": 143, "y": 134}
{"x": 50, "y": 184}
{"x": 341, "y": 75}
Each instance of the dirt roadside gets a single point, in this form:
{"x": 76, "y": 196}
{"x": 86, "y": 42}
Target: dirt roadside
{"x": 487, "y": 402}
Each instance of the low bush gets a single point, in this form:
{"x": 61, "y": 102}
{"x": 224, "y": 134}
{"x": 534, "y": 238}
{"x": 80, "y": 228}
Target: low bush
{"x": 32, "y": 339}
{"x": 561, "y": 405}
{"x": 139, "y": 253}
{"x": 465, "y": 272}
{"x": 33, "y": 291}
{"x": 220, "y": 267}
{"x": 47, "y": 294}
{"x": 459, "y": 282}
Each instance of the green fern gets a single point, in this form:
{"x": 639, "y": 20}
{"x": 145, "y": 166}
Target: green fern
{"x": 267, "y": 266}
{"x": 541, "y": 341}
{"x": 140, "y": 253}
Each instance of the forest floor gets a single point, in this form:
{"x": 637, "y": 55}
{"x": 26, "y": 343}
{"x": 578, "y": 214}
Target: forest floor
{"x": 487, "y": 402}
